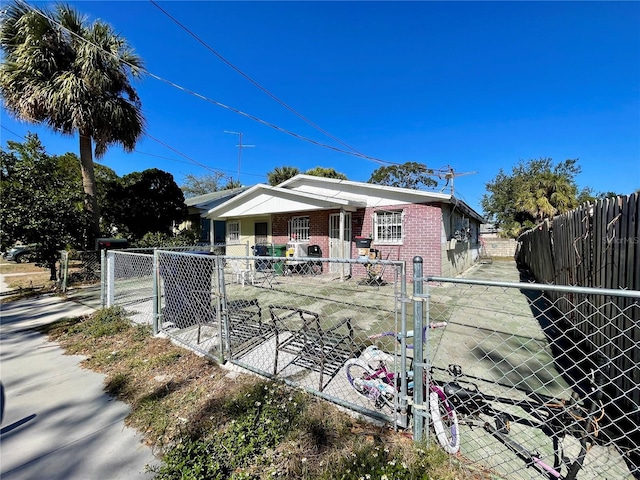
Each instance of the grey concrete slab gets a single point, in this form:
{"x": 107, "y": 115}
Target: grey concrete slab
{"x": 59, "y": 423}
{"x": 86, "y": 295}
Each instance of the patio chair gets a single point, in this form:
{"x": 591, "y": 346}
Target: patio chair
{"x": 240, "y": 271}
{"x": 246, "y": 328}
{"x": 323, "y": 349}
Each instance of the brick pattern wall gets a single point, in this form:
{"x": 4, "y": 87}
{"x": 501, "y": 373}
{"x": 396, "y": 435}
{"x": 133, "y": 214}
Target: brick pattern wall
{"x": 422, "y": 234}
{"x": 500, "y": 247}
{"x": 318, "y": 228}
{"x": 421, "y": 231}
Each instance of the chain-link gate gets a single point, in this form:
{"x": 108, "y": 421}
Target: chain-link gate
{"x": 129, "y": 283}
{"x": 312, "y": 318}
{"x": 541, "y": 383}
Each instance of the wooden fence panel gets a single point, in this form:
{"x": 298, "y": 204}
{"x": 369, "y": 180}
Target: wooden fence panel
{"x": 596, "y": 245}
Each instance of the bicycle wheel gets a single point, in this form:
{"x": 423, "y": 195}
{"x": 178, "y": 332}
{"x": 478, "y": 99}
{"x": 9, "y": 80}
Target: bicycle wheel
{"x": 357, "y": 373}
{"x": 445, "y": 421}
{"x": 364, "y": 380}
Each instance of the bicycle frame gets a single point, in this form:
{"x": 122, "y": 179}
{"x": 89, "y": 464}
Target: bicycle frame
{"x": 555, "y": 418}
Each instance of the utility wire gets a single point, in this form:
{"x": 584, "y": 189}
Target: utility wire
{"x": 189, "y": 160}
{"x": 214, "y": 102}
{"x": 14, "y": 133}
{"x": 255, "y": 83}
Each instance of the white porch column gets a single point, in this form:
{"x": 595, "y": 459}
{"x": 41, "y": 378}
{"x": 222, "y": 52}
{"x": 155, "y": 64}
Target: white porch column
{"x": 343, "y": 247}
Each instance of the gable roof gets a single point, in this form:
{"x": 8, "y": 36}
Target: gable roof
{"x": 208, "y": 201}
{"x": 264, "y": 199}
{"x": 307, "y": 193}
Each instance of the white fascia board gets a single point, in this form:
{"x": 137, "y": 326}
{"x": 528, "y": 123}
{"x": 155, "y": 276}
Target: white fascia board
{"x": 369, "y": 193}
{"x": 264, "y": 199}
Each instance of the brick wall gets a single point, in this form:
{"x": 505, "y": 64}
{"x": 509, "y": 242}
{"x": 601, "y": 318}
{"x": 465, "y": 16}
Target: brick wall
{"x": 422, "y": 231}
{"x": 422, "y": 235}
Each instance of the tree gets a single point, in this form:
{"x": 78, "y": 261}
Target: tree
{"x": 232, "y": 184}
{"x": 41, "y": 203}
{"x": 408, "y": 175}
{"x": 147, "y": 201}
{"x": 535, "y": 190}
{"x": 281, "y": 174}
{"x": 74, "y": 77}
{"x": 326, "y": 172}
{"x": 194, "y": 186}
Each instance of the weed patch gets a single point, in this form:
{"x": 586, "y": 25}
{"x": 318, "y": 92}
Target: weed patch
{"x": 208, "y": 424}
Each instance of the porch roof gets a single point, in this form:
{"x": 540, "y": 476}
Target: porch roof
{"x": 307, "y": 193}
{"x": 265, "y": 200}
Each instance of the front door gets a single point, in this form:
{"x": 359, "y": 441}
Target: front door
{"x": 261, "y": 232}
{"x": 339, "y": 249}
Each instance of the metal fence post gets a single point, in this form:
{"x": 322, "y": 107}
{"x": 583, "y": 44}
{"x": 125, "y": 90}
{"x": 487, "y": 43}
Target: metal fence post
{"x": 419, "y": 412}
{"x": 155, "y": 295}
{"x": 64, "y": 266}
{"x": 110, "y": 278}
{"x": 103, "y": 273}
{"x": 221, "y": 305}
{"x": 403, "y": 421}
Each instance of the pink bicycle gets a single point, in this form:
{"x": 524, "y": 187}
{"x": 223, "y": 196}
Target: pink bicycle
{"x": 370, "y": 375}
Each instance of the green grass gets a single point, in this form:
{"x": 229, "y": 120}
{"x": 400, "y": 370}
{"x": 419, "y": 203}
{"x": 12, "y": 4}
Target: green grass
{"x": 207, "y": 426}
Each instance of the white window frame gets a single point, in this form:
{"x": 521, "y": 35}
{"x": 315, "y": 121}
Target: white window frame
{"x": 388, "y": 226}
{"x": 299, "y": 228}
{"x": 233, "y": 234}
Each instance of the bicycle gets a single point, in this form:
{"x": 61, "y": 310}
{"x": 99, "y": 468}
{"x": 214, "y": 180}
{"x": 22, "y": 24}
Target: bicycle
{"x": 452, "y": 404}
{"x": 557, "y": 418}
{"x": 372, "y": 379}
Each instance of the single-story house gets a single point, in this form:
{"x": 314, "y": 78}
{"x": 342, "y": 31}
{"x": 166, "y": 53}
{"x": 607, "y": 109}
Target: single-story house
{"x": 401, "y": 223}
{"x": 198, "y": 208}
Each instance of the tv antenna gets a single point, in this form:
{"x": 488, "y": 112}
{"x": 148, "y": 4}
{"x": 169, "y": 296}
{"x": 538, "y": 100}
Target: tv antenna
{"x": 449, "y": 175}
{"x": 240, "y": 147}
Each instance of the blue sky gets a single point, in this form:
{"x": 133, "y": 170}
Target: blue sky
{"x": 474, "y": 85}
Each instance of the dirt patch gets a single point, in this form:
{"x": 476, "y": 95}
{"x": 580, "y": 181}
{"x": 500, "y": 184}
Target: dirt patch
{"x": 183, "y": 404}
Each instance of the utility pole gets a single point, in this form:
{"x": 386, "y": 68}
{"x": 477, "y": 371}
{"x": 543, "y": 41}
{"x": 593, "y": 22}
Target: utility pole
{"x": 240, "y": 147}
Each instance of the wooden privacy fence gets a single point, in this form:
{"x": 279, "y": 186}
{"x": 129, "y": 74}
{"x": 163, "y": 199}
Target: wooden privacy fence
{"x": 595, "y": 245}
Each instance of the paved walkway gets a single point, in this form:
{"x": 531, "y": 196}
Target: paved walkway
{"x": 58, "y": 422}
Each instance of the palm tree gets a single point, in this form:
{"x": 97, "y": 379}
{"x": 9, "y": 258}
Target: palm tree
{"x": 326, "y": 173}
{"x": 280, "y": 174}
{"x": 548, "y": 194}
{"x": 74, "y": 77}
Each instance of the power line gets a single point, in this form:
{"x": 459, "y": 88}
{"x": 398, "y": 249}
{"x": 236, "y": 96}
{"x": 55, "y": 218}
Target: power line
{"x": 214, "y": 102}
{"x": 281, "y": 102}
{"x": 214, "y": 170}
{"x": 189, "y": 161}
{"x": 14, "y": 133}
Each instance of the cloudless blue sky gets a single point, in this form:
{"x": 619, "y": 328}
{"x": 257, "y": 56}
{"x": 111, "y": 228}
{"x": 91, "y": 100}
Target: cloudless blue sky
{"x": 474, "y": 85}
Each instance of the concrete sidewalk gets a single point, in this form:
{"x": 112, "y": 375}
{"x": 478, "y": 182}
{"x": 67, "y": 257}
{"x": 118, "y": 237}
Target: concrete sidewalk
{"x": 58, "y": 422}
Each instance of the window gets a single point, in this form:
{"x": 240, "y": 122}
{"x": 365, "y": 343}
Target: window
{"x": 299, "y": 229}
{"x": 388, "y": 227}
{"x": 233, "y": 232}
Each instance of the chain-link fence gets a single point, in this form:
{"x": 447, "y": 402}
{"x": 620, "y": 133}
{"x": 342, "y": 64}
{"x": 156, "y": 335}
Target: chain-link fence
{"x": 84, "y": 267}
{"x": 531, "y": 388}
{"x": 78, "y": 267}
{"x": 129, "y": 283}
{"x": 513, "y": 385}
